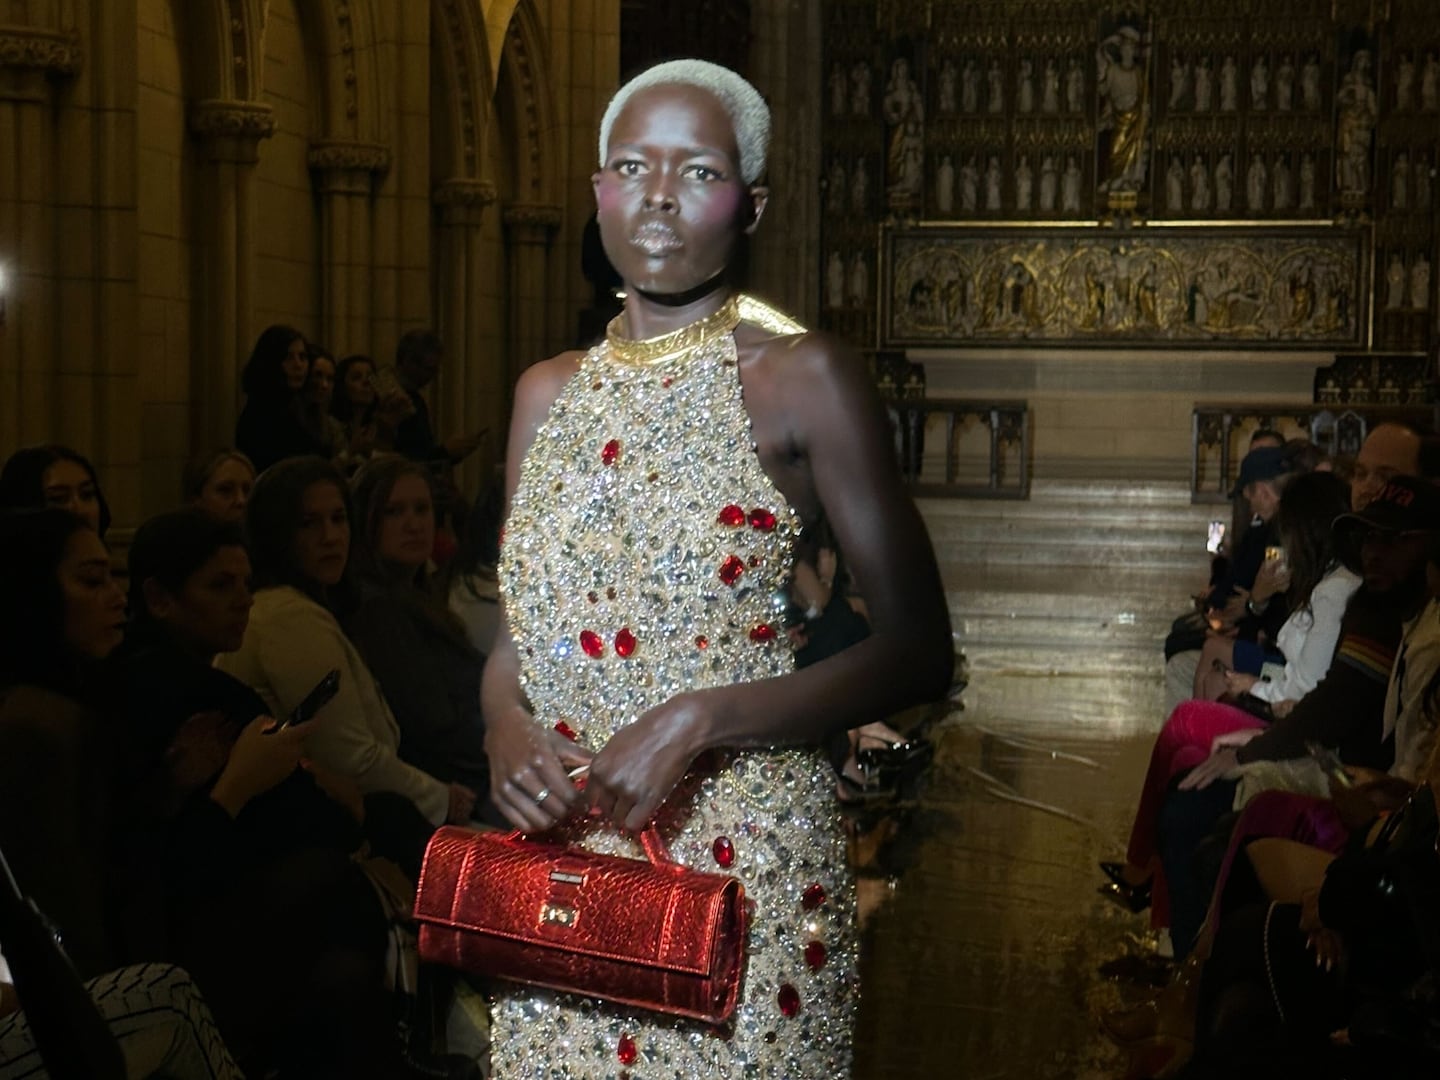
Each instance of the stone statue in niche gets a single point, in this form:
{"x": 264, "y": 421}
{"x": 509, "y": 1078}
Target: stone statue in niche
{"x": 1074, "y": 86}
{"x": 1049, "y": 183}
{"x": 948, "y": 79}
{"x": 859, "y": 281}
{"x": 1405, "y": 83}
{"x": 1310, "y": 83}
{"x": 1025, "y": 86}
{"x": 1260, "y": 84}
{"x": 1357, "y": 111}
{"x": 1204, "y": 84}
{"x": 970, "y": 185}
{"x": 1179, "y": 80}
{"x": 839, "y": 89}
{"x": 835, "y": 190}
{"x": 835, "y": 281}
{"x": 1395, "y": 284}
{"x": 1229, "y": 84}
{"x": 1125, "y": 108}
{"x": 1070, "y": 186}
{"x": 1430, "y": 84}
{"x": 1400, "y": 182}
{"x": 1420, "y": 283}
{"x": 1422, "y": 183}
{"x": 1307, "y": 181}
{"x": 1050, "y": 88}
{"x": 945, "y": 186}
{"x": 1281, "y": 182}
{"x": 860, "y": 186}
{"x": 860, "y": 89}
{"x": 995, "y": 78}
{"x": 1224, "y": 183}
{"x": 992, "y": 183}
{"x": 1024, "y": 183}
{"x": 969, "y": 87}
{"x": 1175, "y": 185}
{"x": 1147, "y": 294}
{"x": 1255, "y": 178}
{"x": 1199, "y": 184}
{"x": 1285, "y": 85}
{"x": 905, "y": 115}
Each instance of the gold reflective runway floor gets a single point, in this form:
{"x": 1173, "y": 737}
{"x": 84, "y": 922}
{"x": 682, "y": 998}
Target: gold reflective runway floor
{"x": 984, "y": 932}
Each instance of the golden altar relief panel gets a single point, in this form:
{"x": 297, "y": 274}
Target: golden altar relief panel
{"x": 1205, "y": 286}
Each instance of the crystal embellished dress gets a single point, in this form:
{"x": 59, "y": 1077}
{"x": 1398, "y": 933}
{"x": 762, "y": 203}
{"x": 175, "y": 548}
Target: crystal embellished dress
{"x": 647, "y": 553}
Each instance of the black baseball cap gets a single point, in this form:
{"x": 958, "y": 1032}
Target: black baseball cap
{"x": 1406, "y": 504}
{"x": 1266, "y": 463}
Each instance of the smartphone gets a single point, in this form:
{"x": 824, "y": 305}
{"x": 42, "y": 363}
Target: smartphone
{"x": 1333, "y": 766}
{"x": 1216, "y": 539}
{"x": 315, "y": 700}
{"x": 1274, "y": 554}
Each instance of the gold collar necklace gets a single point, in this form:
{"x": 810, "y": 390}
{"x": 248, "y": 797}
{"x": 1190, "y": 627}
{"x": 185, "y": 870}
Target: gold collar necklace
{"x": 657, "y": 349}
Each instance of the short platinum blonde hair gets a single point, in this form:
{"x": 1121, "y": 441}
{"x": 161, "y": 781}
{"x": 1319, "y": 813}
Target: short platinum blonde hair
{"x": 749, "y": 114}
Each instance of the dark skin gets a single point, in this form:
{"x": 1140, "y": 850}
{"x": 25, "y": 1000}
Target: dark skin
{"x": 672, "y": 207}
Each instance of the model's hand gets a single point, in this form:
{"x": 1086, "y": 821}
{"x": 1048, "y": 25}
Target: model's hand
{"x": 1272, "y": 580}
{"x": 261, "y": 758}
{"x": 1211, "y": 769}
{"x": 642, "y": 763}
{"x": 1234, "y": 739}
{"x": 526, "y": 760}
{"x": 1237, "y": 682}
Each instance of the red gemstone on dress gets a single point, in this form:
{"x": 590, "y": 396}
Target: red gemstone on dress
{"x": 724, "y": 852}
{"x": 627, "y": 1051}
{"x": 789, "y": 999}
{"x": 611, "y": 453}
{"x": 754, "y": 561}
{"x": 731, "y": 569}
{"x": 702, "y": 642}
{"x": 732, "y": 515}
{"x": 815, "y": 955}
{"x": 665, "y": 382}
{"x": 813, "y": 896}
{"x": 762, "y": 519}
{"x": 624, "y": 643}
{"x": 567, "y": 731}
{"x": 763, "y": 634}
{"x": 591, "y": 643}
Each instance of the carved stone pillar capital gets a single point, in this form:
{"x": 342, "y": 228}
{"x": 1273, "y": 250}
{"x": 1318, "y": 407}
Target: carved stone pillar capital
{"x": 347, "y": 167}
{"x": 232, "y": 130}
{"x": 30, "y": 57}
{"x": 462, "y": 201}
{"x": 532, "y": 223}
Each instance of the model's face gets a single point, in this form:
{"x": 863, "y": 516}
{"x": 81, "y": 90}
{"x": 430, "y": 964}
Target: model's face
{"x": 94, "y": 619}
{"x": 227, "y": 492}
{"x": 1388, "y": 452}
{"x": 323, "y": 542}
{"x": 407, "y": 524}
{"x": 296, "y": 365}
{"x": 672, "y": 204}
{"x": 321, "y": 386}
{"x": 212, "y": 608}
{"x": 358, "y": 385}
{"x": 68, "y": 486}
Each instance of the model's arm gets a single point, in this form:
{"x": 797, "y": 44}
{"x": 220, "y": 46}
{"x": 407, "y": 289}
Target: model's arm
{"x": 839, "y": 430}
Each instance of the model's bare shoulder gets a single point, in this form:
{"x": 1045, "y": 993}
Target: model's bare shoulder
{"x": 540, "y": 384}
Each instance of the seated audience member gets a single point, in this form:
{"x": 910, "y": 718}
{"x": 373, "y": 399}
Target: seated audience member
{"x": 1229, "y": 608}
{"x": 54, "y": 476}
{"x": 1346, "y": 712}
{"x": 368, "y": 422}
{"x": 410, "y": 639}
{"x": 241, "y": 827}
{"x": 471, "y": 585}
{"x": 1319, "y": 590}
{"x": 220, "y": 484}
{"x": 298, "y": 528}
{"x": 319, "y": 394}
{"x": 272, "y": 424}
{"x": 417, "y": 361}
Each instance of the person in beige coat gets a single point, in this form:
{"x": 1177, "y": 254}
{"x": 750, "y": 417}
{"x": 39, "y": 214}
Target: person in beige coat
{"x": 298, "y": 529}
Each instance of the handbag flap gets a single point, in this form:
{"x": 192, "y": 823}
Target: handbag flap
{"x": 576, "y": 901}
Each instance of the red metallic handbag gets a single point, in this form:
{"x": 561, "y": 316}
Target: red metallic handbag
{"x": 654, "y": 935}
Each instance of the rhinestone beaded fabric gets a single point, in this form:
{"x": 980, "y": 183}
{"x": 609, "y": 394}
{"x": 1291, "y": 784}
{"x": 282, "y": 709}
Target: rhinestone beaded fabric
{"x": 647, "y": 553}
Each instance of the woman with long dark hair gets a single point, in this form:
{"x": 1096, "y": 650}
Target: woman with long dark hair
{"x": 53, "y": 475}
{"x": 272, "y": 424}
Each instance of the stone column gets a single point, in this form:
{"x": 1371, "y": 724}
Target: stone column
{"x": 223, "y": 332}
{"x": 345, "y": 175}
{"x": 464, "y": 401}
{"x": 529, "y": 229}
{"x": 32, "y": 62}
